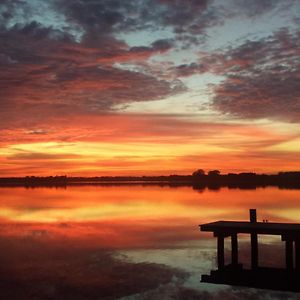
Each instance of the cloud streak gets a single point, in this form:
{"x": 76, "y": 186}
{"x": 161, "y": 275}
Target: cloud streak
{"x": 261, "y": 78}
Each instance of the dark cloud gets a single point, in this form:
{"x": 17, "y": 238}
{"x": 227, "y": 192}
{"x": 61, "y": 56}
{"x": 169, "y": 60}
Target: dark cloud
{"x": 189, "y": 69}
{"x": 9, "y": 9}
{"x": 188, "y": 20}
{"x": 256, "y": 8}
{"x": 262, "y": 78}
{"x": 187, "y": 16}
{"x": 164, "y": 44}
{"x": 253, "y": 10}
{"x": 42, "y": 66}
{"x": 46, "y": 68}
{"x": 103, "y": 15}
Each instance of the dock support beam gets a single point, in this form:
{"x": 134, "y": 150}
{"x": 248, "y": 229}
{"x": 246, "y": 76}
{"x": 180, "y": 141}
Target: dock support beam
{"x": 254, "y": 251}
{"x": 297, "y": 254}
{"x": 221, "y": 261}
{"x": 253, "y": 218}
{"x": 254, "y": 242}
{"x": 289, "y": 254}
{"x": 234, "y": 249}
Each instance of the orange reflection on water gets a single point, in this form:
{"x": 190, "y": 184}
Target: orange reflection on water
{"x": 133, "y": 215}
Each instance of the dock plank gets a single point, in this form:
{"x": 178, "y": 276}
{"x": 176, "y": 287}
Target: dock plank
{"x": 252, "y": 227}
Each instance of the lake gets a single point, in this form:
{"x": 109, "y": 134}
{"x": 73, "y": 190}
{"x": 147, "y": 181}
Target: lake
{"x": 130, "y": 241}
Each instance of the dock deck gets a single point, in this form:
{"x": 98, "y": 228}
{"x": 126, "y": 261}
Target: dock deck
{"x": 235, "y": 227}
{"x": 234, "y": 272}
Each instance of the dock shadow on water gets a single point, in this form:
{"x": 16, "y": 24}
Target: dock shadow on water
{"x": 285, "y": 278}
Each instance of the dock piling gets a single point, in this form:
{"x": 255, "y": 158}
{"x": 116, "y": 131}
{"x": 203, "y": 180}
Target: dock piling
{"x": 234, "y": 249}
{"x": 221, "y": 260}
{"x": 254, "y": 241}
{"x": 253, "y": 217}
{"x": 297, "y": 255}
{"x": 289, "y": 254}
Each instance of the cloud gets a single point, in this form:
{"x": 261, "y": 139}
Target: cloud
{"x": 261, "y": 78}
{"x": 186, "y": 70}
{"x": 189, "y": 17}
{"x": 9, "y": 9}
{"x": 256, "y": 8}
{"x": 44, "y": 68}
{"x": 94, "y": 141}
{"x": 38, "y": 131}
{"x": 145, "y": 128}
{"x": 42, "y": 156}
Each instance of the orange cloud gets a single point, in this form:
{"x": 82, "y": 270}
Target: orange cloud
{"x": 140, "y": 144}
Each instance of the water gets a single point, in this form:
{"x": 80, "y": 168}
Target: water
{"x": 129, "y": 241}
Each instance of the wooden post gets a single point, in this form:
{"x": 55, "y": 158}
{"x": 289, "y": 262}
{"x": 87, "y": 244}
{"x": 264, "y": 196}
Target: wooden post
{"x": 234, "y": 249}
{"x": 253, "y": 218}
{"x": 220, "y": 253}
{"x": 289, "y": 254}
{"x": 254, "y": 242}
{"x": 297, "y": 254}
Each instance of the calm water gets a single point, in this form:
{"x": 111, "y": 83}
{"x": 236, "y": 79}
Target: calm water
{"x": 128, "y": 242}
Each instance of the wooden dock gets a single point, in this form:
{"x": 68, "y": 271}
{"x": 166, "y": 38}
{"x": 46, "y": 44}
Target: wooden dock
{"x": 290, "y": 234}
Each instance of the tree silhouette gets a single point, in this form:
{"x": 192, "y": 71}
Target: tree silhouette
{"x": 214, "y": 173}
{"x": 199, "y": 172}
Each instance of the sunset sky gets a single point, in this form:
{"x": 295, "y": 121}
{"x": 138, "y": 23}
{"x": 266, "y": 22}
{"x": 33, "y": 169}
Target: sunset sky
{"x": 149, "y": 87}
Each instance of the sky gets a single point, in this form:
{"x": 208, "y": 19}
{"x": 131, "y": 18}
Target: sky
{"x": 149, "y": 87}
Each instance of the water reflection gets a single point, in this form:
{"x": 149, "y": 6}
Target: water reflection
{"x": 92, "y": 203}
{"x": 139, "y": 242}
{"x": 54, "y": 270}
